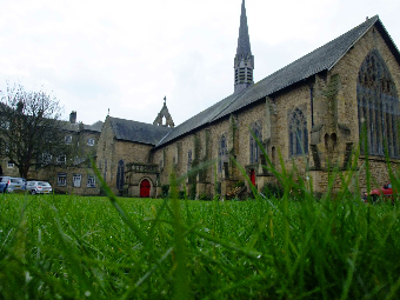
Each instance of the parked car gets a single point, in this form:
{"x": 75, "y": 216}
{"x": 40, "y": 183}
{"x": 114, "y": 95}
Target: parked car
{"x": 39, "y": 187}
{"x": 385, "y": 193}
{"x": 12, "y": 184}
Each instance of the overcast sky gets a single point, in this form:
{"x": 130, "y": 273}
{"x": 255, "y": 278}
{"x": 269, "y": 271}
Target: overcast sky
{"x": 127, "y": 55}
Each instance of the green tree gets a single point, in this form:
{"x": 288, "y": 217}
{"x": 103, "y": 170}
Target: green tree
{"x": 31, "y": 131}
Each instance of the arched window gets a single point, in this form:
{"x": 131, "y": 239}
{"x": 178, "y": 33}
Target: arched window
{"x": 298, "y": 134}
{"x": 378, "y": 106}
{"x": 120, "y": 174}
{"x": 254, "y": 148}
{"x": 222, "y": 153}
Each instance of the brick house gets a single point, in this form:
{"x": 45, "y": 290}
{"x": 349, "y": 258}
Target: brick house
{"x": 72, "y": 172}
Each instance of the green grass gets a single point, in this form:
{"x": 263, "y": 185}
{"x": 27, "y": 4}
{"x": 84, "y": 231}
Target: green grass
{"x": 70, "y": 247}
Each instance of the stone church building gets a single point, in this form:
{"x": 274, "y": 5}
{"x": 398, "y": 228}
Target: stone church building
{"x": 311, "y": 113}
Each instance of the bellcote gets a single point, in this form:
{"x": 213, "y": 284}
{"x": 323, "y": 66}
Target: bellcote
{"x": 164, "y": 117}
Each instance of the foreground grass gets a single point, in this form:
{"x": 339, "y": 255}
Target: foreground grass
{"x": 70, "y": 247}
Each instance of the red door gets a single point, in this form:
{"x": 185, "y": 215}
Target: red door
{"x": 253, "y": 177}
{"x": 145, "y": 189}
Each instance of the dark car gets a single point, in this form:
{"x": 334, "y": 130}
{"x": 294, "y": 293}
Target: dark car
{"x": 384, "y": 193}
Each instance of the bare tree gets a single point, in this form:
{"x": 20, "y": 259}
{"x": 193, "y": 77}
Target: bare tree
{"x": 30, "y": 128}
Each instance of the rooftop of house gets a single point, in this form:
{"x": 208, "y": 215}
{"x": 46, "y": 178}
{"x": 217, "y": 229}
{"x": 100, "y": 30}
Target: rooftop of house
{"x": 77, "y": 127}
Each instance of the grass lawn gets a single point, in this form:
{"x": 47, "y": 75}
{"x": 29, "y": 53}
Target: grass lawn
{"x": 70, "y": 247}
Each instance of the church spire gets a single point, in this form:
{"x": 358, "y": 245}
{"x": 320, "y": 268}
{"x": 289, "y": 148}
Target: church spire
{"x": 244, "y": 60}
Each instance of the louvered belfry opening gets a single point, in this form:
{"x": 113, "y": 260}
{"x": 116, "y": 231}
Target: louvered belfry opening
{"x": 378, "y": 107}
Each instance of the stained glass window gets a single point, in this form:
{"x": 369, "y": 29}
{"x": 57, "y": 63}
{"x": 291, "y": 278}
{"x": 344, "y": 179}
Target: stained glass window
{"x": 298, "y": 134}
{"x": 378, "y": 107}
{"x": 222, "y": 153}
{"x": 254, "y": 148}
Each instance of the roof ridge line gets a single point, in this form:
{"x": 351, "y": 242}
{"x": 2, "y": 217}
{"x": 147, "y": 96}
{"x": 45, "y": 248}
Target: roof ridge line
{"x": 356, "y": 40}
{"x": 316, "y": 49}
{"x": 213, "y": 118}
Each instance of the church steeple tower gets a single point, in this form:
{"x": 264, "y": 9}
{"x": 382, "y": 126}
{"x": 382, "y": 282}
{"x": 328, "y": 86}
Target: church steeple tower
{"x": 244, "y": 60}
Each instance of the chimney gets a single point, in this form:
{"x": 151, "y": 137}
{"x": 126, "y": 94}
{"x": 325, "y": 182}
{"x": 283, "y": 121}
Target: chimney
{"x": 72, "y": 117}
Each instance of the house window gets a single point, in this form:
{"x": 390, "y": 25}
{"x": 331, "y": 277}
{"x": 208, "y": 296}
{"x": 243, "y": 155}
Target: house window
{"x": 68, "y": 139}
{"x": 222, "y": 153}
{"x": 46, "y": 158}
{"x": 62, "y": 159}
{"x": 120, "y": 174}
{"x": 91, "y": 181}
{"x": 10, "y": 165}
{"x": 77, "y": 180}
{"x": 62, "y": 179}
{"x": 378, "y": 107}
{"x": 298, "y": 134}
{"x": 90, "y": 142}
{"x": 255, "y": 135}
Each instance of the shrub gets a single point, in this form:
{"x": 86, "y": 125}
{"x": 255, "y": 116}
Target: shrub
{"x": 182, "y": 195}
{"x": 165, "y": 190}
{"x": 205, "y": 197}
{"x": 218, "y": 188}
{"x": 273, "y": 189}
{"x": 239, "y": 184}
{"x": 192, "y": 194}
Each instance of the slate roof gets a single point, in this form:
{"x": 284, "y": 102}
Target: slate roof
{"x": 139, "y": 132}
{"x": 321, "y": 59}
{"x": 96, "y": 127}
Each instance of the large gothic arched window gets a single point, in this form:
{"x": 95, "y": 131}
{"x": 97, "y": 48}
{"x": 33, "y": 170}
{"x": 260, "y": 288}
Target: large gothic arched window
{"x": 298, "y": 134}
{"x": 222, "y": 153}
{"x": 254, "y": 148}
{"x": 378, "y": 106}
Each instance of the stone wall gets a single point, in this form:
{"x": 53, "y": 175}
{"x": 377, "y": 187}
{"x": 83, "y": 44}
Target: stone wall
{"x": 347, "y": 110}
{"x": 52, "y": 173}
{"x": 110, "y": 151}
{"x": 328, "y": 99}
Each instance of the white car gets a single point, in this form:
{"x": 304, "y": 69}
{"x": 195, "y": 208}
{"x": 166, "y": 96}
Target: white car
{"x": 39, "y": 187}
